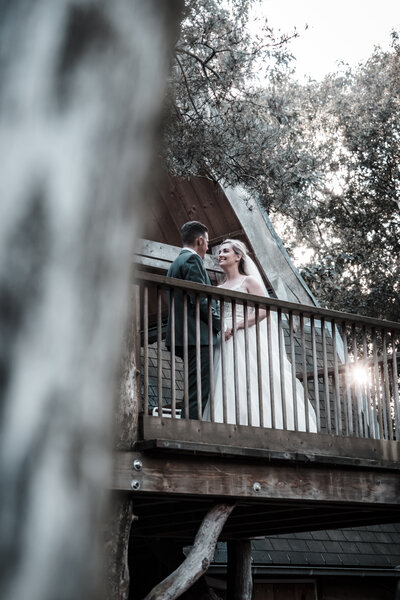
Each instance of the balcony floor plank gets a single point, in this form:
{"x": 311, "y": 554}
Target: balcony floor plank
{"x": 267, "y": 444}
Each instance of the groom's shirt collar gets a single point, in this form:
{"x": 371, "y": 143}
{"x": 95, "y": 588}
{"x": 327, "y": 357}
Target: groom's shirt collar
{"x": 191, "y": 250}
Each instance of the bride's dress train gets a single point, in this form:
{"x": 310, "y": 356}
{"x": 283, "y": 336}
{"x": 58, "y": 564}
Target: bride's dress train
{"x": 252, "y": 416}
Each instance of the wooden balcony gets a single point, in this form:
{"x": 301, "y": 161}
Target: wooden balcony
{"x": 335, "y": 462}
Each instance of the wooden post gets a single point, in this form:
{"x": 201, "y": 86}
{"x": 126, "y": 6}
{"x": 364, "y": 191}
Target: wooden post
{"x": 119, "y": 519}
{"x": 129, "y": 393}
{"x": 240, "y": 581}
{"x": 116, "y": 547}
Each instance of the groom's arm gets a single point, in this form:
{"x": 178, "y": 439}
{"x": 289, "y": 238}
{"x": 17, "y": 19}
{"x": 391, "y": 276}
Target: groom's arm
{"x": 194, "y": 271}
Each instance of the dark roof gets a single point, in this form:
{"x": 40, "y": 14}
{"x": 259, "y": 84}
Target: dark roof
{"x": 376, "y": 546}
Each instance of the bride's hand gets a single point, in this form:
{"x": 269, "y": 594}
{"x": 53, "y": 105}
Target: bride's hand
{"x": 228, "y": 333}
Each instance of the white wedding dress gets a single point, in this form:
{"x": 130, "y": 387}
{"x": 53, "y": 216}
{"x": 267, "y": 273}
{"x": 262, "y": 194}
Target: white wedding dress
{"x": 252, "y": 416}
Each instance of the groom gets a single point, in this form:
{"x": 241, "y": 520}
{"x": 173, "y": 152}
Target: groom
{"x": 189, "y": 266}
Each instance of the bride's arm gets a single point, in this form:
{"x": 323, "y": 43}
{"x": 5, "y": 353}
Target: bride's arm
{"x": 252, "y": 287}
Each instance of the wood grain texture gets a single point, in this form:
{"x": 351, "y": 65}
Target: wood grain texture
{"x": 160, "y": 255}
{"x": 236, "y": 479}
{"x": 116, "y": 534}
{"x": 311, "y": 445}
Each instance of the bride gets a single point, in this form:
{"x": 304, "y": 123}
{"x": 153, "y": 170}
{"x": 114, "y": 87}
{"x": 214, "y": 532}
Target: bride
{"x": 242, "y": 275}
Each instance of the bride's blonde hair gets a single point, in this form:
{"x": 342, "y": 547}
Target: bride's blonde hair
{"x": 240, "y": 249}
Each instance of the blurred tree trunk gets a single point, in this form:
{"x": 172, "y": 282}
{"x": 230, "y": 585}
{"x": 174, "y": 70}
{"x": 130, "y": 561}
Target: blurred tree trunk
{"x": 81, "y": 89}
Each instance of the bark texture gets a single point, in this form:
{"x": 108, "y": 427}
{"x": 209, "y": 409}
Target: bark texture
{"x": 116, "y": 547}
{"x": 126, "y": 409}
{"x": 82, "y": 84}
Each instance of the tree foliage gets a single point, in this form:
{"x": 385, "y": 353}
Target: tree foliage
{"x": 219, "y": 116}
{"x": 356, "y": 224}
{"x": 323, "y": 158}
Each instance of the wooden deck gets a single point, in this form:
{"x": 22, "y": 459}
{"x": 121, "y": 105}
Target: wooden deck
{"x": 174, "y": 486}
{"x": 346, "y": 473}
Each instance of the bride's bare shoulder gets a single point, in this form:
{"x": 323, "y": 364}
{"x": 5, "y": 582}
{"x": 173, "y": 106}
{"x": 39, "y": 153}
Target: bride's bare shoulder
{"x": 250, "y": 281}
{"x": 253, "y": 286}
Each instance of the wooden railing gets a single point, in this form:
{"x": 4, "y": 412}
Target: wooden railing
{"x": 297, "y": 369}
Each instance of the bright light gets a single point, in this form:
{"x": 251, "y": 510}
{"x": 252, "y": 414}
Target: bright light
{"x": 360, "y": 375}
{"x": 336, "y": 31}
{"x": 303, "y": 255}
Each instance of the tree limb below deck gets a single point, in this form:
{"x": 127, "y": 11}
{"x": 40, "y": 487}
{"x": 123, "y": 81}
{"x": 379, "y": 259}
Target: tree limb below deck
{"x": 199, "y": 558}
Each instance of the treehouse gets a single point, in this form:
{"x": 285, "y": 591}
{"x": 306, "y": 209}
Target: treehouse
{"x": 334, "y": 466}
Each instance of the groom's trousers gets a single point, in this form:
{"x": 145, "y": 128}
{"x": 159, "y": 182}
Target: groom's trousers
{"x": 205, "y": 380}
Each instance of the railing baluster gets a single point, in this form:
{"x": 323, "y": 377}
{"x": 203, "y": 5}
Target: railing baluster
{"x": 235, "y": 363}
{"x": 159, "y": 352}
{"x": 395, "y": 388}
{"x": 384, "y": 413}
{"x": 211, "y": 358}
{"x": 348, "y": 409}
{"x": 358, "y": 389}
{"x": 378, "y": 399}
{"x": 294, "y": 379}
{"x": 259, "y": 367}
{"x": 386, "y": 386}
{"x": 338, "y": 406}
{"x": 370, "y": 428}
{"x": 198, "y": 359}
{"x": 246, "y": 351}
{"x": 305, "y": 379}
{"x": 357, "y": 394}
{"x": 271, "y": 369}
{"x": 173, "y": 371}
{"x": 326, "y": 379}
{"x": 146, "y": 348}
{"x": 315, "y": 371}
{"x": 223, "y": 363}
{"x": 185, "y": 356}
{"x": 281, "y": 369}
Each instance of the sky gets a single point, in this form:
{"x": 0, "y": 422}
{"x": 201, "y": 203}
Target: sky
{"x": 338, "y": 30}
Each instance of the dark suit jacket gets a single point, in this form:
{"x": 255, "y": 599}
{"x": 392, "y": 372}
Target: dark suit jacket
{"x": 190, "y": 267}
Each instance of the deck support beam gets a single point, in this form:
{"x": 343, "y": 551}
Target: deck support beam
{"x": 240, "y": 581}
{"x": 231, "y": 479}
{"x": 199, "y": 558}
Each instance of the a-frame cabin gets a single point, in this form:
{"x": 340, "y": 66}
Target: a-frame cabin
{"x": 279, "y": 480}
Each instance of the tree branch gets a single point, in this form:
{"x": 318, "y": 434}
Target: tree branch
{"x": 187, "y": 87}
{"x": 202, "y": 62}
{"x": 199, "y": 558}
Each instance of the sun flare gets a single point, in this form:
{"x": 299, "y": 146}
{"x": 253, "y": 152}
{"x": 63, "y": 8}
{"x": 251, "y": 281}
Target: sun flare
{"x": 360, "y": 375}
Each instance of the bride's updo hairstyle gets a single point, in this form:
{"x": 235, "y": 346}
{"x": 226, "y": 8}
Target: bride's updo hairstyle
{"x": 240, "y": 249}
